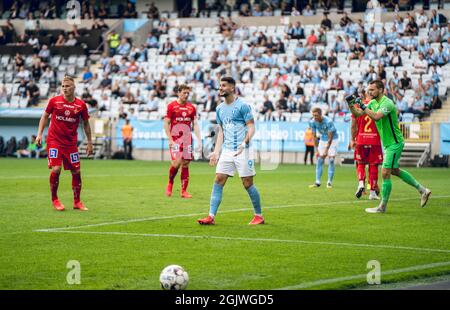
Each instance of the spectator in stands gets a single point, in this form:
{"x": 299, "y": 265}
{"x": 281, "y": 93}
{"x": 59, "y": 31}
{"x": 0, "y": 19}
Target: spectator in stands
{"x": 291, "y": 104}
{"x": 312, "y": 38}
{"x": 128, "y": 98}
{"x": 326, "y": 22}
{"x": 23, "y": 74}
{"x": 33, "y": 94}
{"x": 421, "y": 18}
{"x": 87, "y": 75}
{"x": 434, "y": 36}
{"x": 267, "y": 109}
{"x": 370, "y": 75}
{"x": 163, "y": 26}
{"x": 441, "y": 57}
{"x": 153, "y": 12}
{"x": 303, "y": 105}
{"x": 411, "y": 28}
{"x": 124, "y": 47}
{"x": 71, "y": 41}
{"x": 61, "y": 40}
{"x": 152, "y": 41}
{"x": 36, "y": 71}
{"x": 349, "y": 89}
{"x": 334, "y": 105}
{"x": 130, "y": 11}
{"x": 381, "y": 73}
{"x": 437, "y": 18}
{"x": 106, "y": 82}
{"x": 339, "y": 46}
{"x": 308, "y": 11}
{"x": 418, "y": 106}
{"x": 44, "y": 53}
{"x": 345, "y": 20}
{"x": 405, "y": 81}
{"x": 337, "y": 83}
{"x": 48, "y": 76}
{"x": 151, "y": 102}
{"x": 30, "y": 23}
{"x": 420, "y": 65}
{"x": 296, "y": 32}
{"x": 401, "y": 103}
{"x": 310, "y": 52}
{"x": 295, "y": 12}
{"x": 396, "y": 60}
{"x": 357, "y": 52}
{"x": 431, "y": 57}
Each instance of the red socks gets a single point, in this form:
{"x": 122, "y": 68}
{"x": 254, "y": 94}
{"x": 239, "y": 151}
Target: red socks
{"x": 54, "y": 182}
{"x": 172, "y": 174}
{"x": 373, "y": 177}
{"x": 361, "y": 171}
{"x": 76, "y": 186}
{"x": 184, "y": 178}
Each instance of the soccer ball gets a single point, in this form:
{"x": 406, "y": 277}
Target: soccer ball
{"x": 174, "y": 277}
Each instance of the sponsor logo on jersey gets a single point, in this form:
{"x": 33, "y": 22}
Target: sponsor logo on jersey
{"x": 53, "y": 153}
{"x": 74, "y": 158}
{"x": 65, "y": 119}
{"x": 67, "y": 112}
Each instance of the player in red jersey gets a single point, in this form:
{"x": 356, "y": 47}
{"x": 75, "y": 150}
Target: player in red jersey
{"x": 66, "y": 111}
{"x": 178, "y": 124}
{"x": 367, "y": 144}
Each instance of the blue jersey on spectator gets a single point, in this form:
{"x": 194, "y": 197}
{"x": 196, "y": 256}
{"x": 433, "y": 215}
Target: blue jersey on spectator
{"x": 233, "y": 119}
{"x": 324, "y": 128}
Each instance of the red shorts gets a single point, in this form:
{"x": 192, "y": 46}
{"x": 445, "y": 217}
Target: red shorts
{"x": 368, "y": 154}
{"x": 179, "y": 151}
{"x": 68, "y": 156}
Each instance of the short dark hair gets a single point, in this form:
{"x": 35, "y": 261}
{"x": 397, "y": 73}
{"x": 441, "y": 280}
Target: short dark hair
{"x": 183, "y": 87}
{"x": 229, "y": 80}
{"x": 317, "y": 110}
{"x": 378, "y": 83}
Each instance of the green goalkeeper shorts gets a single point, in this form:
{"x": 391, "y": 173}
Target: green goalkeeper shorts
{"x": 392, "y": 155}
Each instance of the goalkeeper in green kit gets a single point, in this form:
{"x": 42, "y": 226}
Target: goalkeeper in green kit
{"x": 383, "y": 111}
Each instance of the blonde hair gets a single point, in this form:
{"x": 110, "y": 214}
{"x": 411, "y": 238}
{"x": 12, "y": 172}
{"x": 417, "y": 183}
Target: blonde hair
{"x": 68, "y": 77}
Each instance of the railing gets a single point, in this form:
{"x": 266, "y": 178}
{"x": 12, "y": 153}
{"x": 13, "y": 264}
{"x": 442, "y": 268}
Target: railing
{"x": 416, "y": 132}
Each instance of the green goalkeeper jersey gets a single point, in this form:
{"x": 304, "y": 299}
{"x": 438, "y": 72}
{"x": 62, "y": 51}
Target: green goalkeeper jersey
{"x": 387, "y": 126}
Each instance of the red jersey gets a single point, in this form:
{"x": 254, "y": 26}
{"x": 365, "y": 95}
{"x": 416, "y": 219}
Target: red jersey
{"x": 181, "y": 118}
{"x": 65, "y": 120}
{"x": 367, "y": 131}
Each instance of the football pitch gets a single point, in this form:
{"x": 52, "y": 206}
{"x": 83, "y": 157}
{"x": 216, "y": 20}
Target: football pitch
{"x": 313, "y": 238}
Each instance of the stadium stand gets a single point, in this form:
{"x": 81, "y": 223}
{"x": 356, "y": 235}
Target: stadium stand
{"x": 282, "y": 69}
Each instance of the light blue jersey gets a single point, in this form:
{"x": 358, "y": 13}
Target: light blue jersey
{"x": 324, "y": 128}
{"x": 233, "y": 118}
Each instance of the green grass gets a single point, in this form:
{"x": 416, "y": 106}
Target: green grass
{"x": 328, "y": 224}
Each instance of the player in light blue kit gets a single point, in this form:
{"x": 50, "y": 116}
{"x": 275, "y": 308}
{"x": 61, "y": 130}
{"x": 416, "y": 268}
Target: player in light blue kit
{"x": 236, "y": 129}
{"x": 327, "y": 145}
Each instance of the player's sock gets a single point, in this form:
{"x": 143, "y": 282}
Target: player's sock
{"x": 172, "y": 174}
{"x": 216, "y": 198}
{"x": 184, "y": 178}
{"x": 255, "y": 198}
{"x": 386, "y": 191}
{"x": 54, "y": 182}
{"x": 319, "y": 169}
{"x": 330, "y": 170}
{"x": 409, "y": 179}
{"x": 373, "y": 177}
{"x": 361, "y": 171}
{"x": 76, "y": 186}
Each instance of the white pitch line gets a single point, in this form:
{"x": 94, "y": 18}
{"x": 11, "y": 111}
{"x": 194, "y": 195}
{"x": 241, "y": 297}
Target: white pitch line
{"x": 363, "y": 276}
{"x": 346, "y": 244}
{"x": 225, "y": 211}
